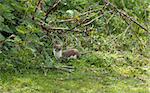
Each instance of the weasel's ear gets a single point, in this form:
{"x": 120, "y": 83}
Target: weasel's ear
{"x": 57, "y": 42}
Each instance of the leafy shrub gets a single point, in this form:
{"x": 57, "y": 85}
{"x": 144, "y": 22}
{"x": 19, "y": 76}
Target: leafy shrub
{"x": 32, "y": 44}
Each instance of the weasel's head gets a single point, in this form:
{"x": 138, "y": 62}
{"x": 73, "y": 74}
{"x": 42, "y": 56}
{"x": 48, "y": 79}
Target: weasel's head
{"x": 57, "y": 50}
{"x": 57, "y": 47}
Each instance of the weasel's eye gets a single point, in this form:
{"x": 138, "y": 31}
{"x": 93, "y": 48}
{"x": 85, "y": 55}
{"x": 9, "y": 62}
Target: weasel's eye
{"x": 58, "y": 49}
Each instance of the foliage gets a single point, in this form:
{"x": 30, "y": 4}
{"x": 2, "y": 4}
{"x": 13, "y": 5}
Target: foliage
{"x": 113, "y": 33}
{"x": 102, "y": 30}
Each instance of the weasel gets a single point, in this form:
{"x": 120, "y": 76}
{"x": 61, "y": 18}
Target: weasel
{"x": 67, "y": 54}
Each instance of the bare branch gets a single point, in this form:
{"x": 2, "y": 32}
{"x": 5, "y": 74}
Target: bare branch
{"x": 133, "y": 20}
{"x": 51, "y": 8}
{"x": 92, "y": 21}
{"x": 48, "y": 28}
{"x": 125, "y": 14}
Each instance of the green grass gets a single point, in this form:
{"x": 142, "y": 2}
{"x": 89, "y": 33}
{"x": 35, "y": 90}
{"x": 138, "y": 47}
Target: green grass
{"x": 96, "y": 73}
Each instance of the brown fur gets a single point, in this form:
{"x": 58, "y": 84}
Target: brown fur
{"x": 67, "y": 54}
{"x": 71, "y": 52}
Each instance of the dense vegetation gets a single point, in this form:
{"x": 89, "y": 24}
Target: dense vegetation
{"x": 115, "y": 31}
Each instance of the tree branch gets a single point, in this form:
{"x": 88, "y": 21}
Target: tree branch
{"x": 51, "y": 8}
{"x": 107, "y": 3}
{"x": 92, "y": 20}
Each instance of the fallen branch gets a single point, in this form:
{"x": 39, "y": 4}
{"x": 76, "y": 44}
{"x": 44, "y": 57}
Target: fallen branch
{"x": 92, "y": 21}
{"x": 136, "y": 35}
{"x": 48, "y": 28}
{"x": 51, "y": 8}
{"x": 131, "y": 19}
{"x": 107, "y": 3}
{"x": 62, "y": 68}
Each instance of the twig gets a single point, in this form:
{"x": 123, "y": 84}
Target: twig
{"x": 133, "y": 20}
{"x": 136, "y": 35}
{"x": 92, "y": 20}
{"x": 48, "y": 28}
{"x": 67, "y": 20}
{"x": 43, "y": 25}
{"x": 39, "y": 2}
{"x": 63, "y": 68}
{"x": 110, "y": 18}
{"x": 129, "y": 25}
{"x": 89, "y": 12}
{"x": 51, "y": 8}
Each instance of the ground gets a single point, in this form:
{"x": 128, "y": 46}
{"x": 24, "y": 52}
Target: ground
{"x": 92, "y": 74}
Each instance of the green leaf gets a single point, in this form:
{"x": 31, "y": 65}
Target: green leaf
{"x": 2, "y": 37}
{"x": 1, "y": 19}
{"x": 8, "y": 16}
{"x": 70, "y": 13}
{"x": 22, "y": 29}
{"x": 7, "y": 29}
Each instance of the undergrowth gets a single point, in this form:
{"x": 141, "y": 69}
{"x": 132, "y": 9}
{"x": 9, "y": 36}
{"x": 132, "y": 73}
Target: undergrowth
{"x": 100, "y": 72}
{"x": 115, "y": 31}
